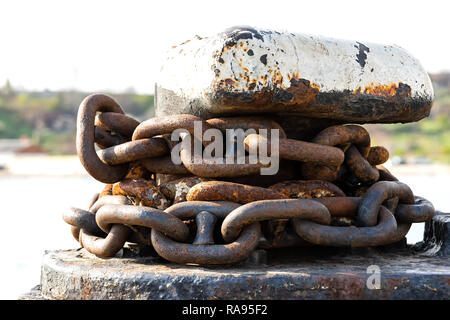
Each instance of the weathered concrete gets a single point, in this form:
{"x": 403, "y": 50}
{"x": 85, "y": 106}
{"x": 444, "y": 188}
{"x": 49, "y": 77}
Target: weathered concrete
{"x": 245, "y": 70}
{"x": 76, "y": 274}
{"x": 407, "y": 272}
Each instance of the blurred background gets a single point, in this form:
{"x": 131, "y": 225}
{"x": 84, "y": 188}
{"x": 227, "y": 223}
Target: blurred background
{"x": 54, "y": 53}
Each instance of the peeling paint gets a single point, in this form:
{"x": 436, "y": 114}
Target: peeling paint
{"x": 246, "y": 69}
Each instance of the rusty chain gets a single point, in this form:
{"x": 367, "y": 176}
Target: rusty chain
{"x": 330, "y": 191}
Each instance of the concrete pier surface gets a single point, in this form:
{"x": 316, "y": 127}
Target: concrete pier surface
{"x": 396, "y": 271}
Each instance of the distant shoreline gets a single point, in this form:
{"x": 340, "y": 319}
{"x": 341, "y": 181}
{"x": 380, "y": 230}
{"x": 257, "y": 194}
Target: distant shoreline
{"x": 69, "y": 165}
{"x": 419, "y": 169}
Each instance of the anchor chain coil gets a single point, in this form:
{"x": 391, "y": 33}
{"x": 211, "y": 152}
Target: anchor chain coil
{"x": 329, "y": 191}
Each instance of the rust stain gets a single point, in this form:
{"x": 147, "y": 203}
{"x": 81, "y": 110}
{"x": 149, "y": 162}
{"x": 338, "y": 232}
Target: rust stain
{"x": 385, "y": 90}
{"x": 229, "y": 82}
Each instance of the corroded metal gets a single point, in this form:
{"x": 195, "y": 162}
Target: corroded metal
{"x": 287, "y": 171}
{"x": 133, "y": 150}
{"x": 377, "y": 155}
{"x": 245, "y": 123}
{"x": 383, "y": 233}
{"x": 308, "y": 189}
{"x": 189, "y": 210}
{"x": 208, "y": 254}
{"x": 108, "y": 199}
{"x": 105, "y": 247}
{"x": 385, "y": 174}
{"x": 248, "y": 70}
{"x": 331, "y": 190}
{"x": 143, "y": 192}
{"x": 211, "y": 169}
{"x": 176, "y": 190}
{"x": 376, "y": 195}
{"x": 85, "y": 138}
{"x": 342, "y": 135}
{"x": 205, "y": 228}
{"x": 229, "y": 191}
{"x": 272, "y": 209}
{"x": 164, "y": 165}
{"x": 117, "y": 123}
{"x": 148, "y": 217}
{"x": 421, "y": 211}
{"x": 291, "y": 149}
{"x": 138, "y": 171}
{"x": 163, "y": 125}
{"x": 107, "y": 190}
{"x": 361, "y": 167}
{"x": 104, "y": 139}
{"x": 337, "y": 136}
{"x": 81, "y": 219}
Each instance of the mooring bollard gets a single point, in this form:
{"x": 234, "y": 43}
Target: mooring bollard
{"x": 296, "y": 185}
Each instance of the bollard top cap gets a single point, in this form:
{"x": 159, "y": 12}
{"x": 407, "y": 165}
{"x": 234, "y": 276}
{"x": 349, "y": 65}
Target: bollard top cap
{"x": 246, "y": 70}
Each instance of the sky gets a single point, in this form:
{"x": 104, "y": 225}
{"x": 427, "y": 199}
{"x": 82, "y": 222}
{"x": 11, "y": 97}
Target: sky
{"x": 117, "y": 46}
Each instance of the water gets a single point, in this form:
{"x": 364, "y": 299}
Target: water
{"x": 31, "y": 214}
{"x": 32, "y": 207}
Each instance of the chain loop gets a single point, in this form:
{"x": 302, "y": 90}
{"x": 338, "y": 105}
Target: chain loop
{"x": 376, "y": 195}
{"x": 141, "y": 216}
{"x": 383, "y": 233}
{"x": 337, "y": 136}
{"x": 105, "y": 247}
{"x": 360, "y": 167}
{"x": 272, "y": 209}
{"x": 85, "y": 138}
{"x": 208, "y": 254}
{"x": 166, "y": 125}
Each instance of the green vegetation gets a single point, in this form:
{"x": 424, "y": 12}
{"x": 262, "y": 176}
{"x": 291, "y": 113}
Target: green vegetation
{"x": 429, "y": 137}
{"x": 49, "y": 119}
